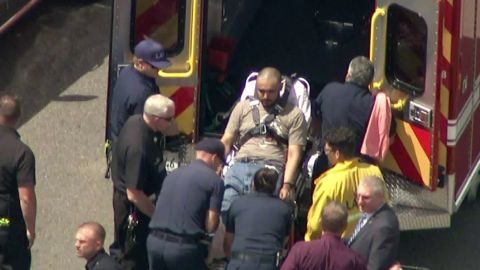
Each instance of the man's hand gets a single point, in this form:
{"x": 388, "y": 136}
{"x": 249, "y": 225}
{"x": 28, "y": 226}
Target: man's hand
{"x": 396, "y": 266}
{"x": 285, "y": 191}
{"x": 31, "y": 238}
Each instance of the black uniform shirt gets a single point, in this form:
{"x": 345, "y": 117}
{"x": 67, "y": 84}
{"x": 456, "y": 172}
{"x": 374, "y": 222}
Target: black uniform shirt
{"x": 101, "y": 261}
{"x": 187, "y": 195}
{"x": 129, "y": 94}
{"x": 344, "y": 104}
{"x": 17, "y": 167}
{"x": 260, "y": 223}
{"x": 137, "y": 160}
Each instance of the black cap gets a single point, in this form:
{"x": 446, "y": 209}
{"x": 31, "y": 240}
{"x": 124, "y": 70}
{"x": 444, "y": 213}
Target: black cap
{"x": 212, "y": 146}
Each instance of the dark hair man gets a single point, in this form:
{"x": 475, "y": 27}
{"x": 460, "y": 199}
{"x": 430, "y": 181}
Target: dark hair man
{"x": 18, "y": 203}
{"x": 340, "y": 182}
{"x": 138, "y": 171}
{"x": 187, "y": 209}
{"x": 257, "y": 225}
{"x": 328, "y": 252}
{"x": 377, "y": 235}
{"x": 135, "y": 84}
{"x": 89, "y": 241}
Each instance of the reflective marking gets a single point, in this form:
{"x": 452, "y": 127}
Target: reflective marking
{"x": 419, "y": 157}
{"x": 447, "y": 42}
{"x": 186, "y": 119}
{"x": 390, "y": 163}
{"x": 185, "y": 113}
{"x": 444, "y": 100}
{"x": 457, "y": 126}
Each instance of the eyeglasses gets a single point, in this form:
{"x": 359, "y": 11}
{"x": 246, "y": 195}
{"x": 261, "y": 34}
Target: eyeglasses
{"x": 148, "y": 64}
{"x": 168, "y": 119}
{"x": 363, "y": 197}
{"x": 327, "y": 150}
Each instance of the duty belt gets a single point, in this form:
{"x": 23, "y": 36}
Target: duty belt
{"x": 169, "y": 237}
{"x": 251, "y": 160}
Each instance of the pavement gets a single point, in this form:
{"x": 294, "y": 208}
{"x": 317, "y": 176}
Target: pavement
{"x": 56, "y": 61}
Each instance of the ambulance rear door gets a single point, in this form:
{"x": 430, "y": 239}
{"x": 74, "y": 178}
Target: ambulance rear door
{"x": 175, "y": 24}
{"x": 404, "y": 48}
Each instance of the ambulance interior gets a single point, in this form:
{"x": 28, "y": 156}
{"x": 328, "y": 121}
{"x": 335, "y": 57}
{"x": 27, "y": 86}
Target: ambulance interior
{"x": 315, "y": 39}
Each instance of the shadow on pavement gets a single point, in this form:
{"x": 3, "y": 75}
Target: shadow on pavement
{"x": 51, "y": 48}
{"x": 445, "y": 249}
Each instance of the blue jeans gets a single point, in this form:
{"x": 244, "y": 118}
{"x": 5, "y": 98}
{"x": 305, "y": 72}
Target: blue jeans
{"x": 238, "y": 181}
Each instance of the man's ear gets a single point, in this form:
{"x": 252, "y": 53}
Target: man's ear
{"x": 337, "y": 154}
{"x": 99, "y": 244}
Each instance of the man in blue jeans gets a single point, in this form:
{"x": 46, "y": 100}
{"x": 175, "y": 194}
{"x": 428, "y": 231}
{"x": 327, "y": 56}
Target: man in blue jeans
{"x": 269, "y": 131}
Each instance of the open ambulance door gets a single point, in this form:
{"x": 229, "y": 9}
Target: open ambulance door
{"x": 175, "y": 24}
{"x": 405, "y": 40}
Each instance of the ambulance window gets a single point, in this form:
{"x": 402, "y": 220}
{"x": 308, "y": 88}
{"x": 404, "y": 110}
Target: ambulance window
{"x": 160, "y": 20}
{"x": 406, "y": 50}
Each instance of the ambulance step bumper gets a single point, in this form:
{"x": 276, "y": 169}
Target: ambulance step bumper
{"x": 412, "y": 218}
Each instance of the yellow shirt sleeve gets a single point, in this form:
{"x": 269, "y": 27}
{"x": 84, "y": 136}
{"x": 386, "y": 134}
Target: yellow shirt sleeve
{"x": 340, "y": 184}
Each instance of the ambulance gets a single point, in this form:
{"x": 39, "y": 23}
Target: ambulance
{"x": 426, "y": 55}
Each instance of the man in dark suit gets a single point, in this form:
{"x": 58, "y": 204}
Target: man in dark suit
{"x": 377, "y": 235}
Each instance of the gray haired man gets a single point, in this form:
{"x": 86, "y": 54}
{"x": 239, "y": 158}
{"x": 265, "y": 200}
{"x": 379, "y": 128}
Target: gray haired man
{"x": 344, "y": 105}
{"x": 137, "y": 172}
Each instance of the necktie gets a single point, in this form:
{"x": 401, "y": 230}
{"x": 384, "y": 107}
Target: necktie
{"x": 360, "y": 224}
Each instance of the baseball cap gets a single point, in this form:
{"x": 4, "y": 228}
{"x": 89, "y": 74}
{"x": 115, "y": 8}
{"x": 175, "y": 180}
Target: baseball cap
{"x": 212, "y": 146}
{"x": 153, "y": 53}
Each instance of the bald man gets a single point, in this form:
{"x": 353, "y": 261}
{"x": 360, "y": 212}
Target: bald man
{"x": 89, "y": 241}
{"x": 268, "y": 135}
{"x": 328, "y": 252}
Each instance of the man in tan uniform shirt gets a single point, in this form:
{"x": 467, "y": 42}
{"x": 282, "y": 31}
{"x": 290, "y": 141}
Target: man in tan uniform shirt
{"x": 264, "y": 149}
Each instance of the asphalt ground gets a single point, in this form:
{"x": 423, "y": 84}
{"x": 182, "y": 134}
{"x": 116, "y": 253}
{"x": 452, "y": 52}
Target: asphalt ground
{"x": 56, "y": 60}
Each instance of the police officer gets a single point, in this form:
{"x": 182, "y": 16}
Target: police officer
{"x": 89, "y": 241}
{"x": 18, "y": 205}
{"x": 138, "y": 171}
{"x": 188, "y": 207}
{"x": 135, "y": 84}
{"x": 257, "y": 225}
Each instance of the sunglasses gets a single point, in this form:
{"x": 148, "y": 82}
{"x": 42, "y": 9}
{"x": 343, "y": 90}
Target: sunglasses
{"x": 150, "y": 65}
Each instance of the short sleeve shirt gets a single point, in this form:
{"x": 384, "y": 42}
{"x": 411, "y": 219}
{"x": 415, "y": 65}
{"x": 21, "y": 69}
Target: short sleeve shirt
{"x": 291, "y": 120}
{"x": 137, "y": 161}
{"x": 338, "y": 184}
{"x": 17, "y": 168}
{"x": 260, "y": 223}
{"x": 187, "y": 195}
{"x": 128, "y": 98}
{"x": 343, "y": 104}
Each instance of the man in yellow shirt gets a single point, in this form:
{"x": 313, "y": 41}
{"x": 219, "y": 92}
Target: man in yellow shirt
{"x": 340, "y": 182}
